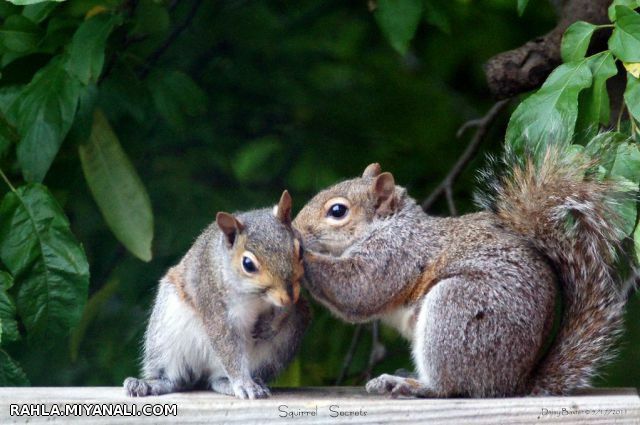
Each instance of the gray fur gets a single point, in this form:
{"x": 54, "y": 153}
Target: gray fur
{"x": 482, "y": 286}
{"x": 213, "y": 328}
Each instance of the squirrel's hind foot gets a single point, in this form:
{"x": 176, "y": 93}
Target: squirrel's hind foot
{"x": 135, "y": 387}
{"x": 397, "y": 386}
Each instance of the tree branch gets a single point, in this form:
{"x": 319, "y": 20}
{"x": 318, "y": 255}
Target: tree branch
{"x": 171, "y": 38}
{"x": 446, "y": 186}
{"x": 377, "y": 353}
{"x": 348, "y": 358}
{"x": 526, "y": 67}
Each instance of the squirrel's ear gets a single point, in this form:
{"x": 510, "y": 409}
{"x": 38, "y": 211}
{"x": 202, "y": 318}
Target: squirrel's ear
{"x": 384, "y": 188}
{"x": 283, "y": 209}
{"x": 371, "y": 171}
{"x": 229, "y": 225}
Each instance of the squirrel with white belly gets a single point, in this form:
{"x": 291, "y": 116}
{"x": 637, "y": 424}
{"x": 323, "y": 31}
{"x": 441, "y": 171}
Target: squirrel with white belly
{"x": 228, "y": 317}
{"x": 522, "y": 298}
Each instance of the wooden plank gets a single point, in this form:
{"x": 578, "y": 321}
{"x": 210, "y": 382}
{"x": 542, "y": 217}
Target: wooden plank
{"x": 323, "y": 405}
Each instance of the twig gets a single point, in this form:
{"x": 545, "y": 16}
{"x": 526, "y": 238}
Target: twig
{"x": 623, "y": 106}
{"x": 113, "y": 58}
{"x": 7, "y": 181}
{"x": 450, "y": 203}
{"x": 377, "y": 351}
{"x": 482, "y": 125}
{"x": 156, "y": 54}
{"x": 348, "y": 358}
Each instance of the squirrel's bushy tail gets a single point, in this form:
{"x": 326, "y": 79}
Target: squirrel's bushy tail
{"x": 571, "y": 219}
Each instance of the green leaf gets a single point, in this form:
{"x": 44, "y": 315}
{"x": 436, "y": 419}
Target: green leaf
{"x": 44, "y": 112}
{"x": 594, "y": 101}
{"x": 117, "y": 189}
{"x": 436, "y": 16}
{"x": 549, "y": 115}
{"x": 399, "y": 20}
{"x": 627, "y": 162}
{"x": 632, "y": 96}
{"x": 258, "y": 161}
{"x": 11, "y": 374}
{"x": 151, "y": 17}
{"x": 575, "y": 41}
{"x": 19, "y": 34}
{"x": 8, "y": 135}
{"x": 602, "y": 68}
{"x": 27, "y": 2}
{"x": 622, "y": 11}
{"x": 625, "y": 40}
{"x": 522, "y": 5}
{"x": 47, "y": 262}
{"x": 636, "y": 242}
{"x": 604, "y": 147}
{"x": 60, "y": 31}
{"x": 81, "y": 128}
{"x": 39, "y": 12}
{"x": 176, "y": 97}
{"x": 628, "y": 209}
{"x": 86, "y": 56}
{"x": 631, "y": 4}
{"x": 625, "y": 170}
{"x": 9, "y": 329}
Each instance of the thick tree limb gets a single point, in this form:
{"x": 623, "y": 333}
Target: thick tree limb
{"x": 526, "y": 67}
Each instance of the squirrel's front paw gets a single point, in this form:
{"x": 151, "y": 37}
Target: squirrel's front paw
{"x": 136, "y": 387}
{"x": 397, "y": 386}
{"x": 250, "y": 389}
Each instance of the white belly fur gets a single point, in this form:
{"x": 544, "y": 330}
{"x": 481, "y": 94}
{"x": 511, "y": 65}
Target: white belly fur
{"x": 183, "y": 345}
{"x": 182, "y": 341}
{"x": 401, "y": 319}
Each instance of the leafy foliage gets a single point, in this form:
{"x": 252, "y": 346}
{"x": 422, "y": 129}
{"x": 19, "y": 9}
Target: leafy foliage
{"x": 50, "y": 267}
{"x": 9, "y": 329}
{"x": 576, "y": 40}
{"x": 551, "y": 113}
{"x": 110, "y": 107}
{"x": 117, "y": 189}
{"x": 399, "y": 20}
{"x": 43, "y": 113}
{"x": 86, "y": 52}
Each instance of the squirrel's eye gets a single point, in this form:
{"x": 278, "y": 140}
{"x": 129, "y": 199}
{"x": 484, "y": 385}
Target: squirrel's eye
{"x": 248, "y": 265}
{"x": 337, "y": 211}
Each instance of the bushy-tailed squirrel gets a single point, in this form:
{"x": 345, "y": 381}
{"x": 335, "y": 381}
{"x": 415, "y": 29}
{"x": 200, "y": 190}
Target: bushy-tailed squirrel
{"x": 228, "y": 317}
{"x": 477, "y": 295}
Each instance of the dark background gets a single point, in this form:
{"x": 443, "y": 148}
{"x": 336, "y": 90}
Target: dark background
{"x": 294, "y": 95}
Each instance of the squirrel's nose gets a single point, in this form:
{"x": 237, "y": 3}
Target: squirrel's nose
{"x": 285, "y": 301}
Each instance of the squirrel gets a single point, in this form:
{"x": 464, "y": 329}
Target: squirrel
{"x": 228, "y": 317}
{"x": 477, "y": 295}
